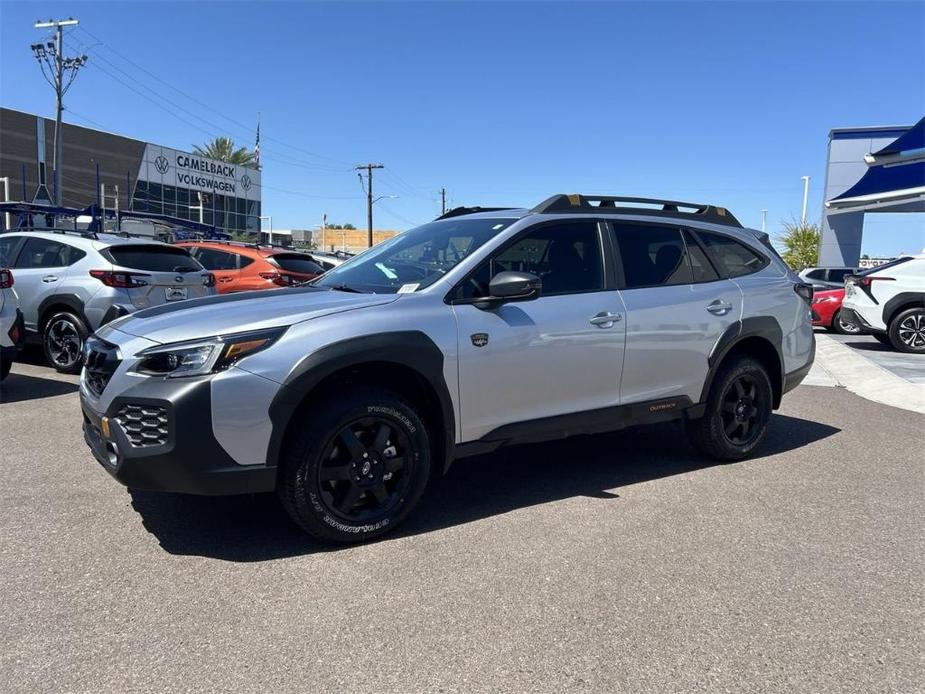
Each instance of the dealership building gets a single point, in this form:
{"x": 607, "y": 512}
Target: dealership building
{"x": 870, "y": 170}
{"x": 101, "y": 167}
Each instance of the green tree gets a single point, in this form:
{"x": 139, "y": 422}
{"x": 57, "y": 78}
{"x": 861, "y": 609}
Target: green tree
{"x": 801, "y": 241}
{"x": 223, "y": 149}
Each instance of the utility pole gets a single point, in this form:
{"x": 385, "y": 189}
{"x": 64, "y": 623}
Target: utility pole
{"x": 324, "y": 225}
{"x": 369, "y": 195}
{"x": 443, "y": 201}
{"x": 63, "y": 71}
{"x": 805, "y": 198}
{"x": 764, "y": 218}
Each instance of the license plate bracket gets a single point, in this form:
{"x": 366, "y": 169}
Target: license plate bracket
{"x": 175, "y": 293}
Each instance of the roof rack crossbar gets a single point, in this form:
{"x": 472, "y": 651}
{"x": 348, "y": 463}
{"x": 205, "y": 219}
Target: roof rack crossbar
{"x": 460, "y": 211}
{"x": 630, "y": 205}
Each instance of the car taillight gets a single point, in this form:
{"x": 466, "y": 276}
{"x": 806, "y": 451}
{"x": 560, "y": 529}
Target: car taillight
{"x": 14, "y": 333}
{"x": 208, "y": 280}
{"x": 120, "y": 280}
{"x": 277, "y": 278}
{"x": 805, "y": 291}
{"x": 6, "y": 279}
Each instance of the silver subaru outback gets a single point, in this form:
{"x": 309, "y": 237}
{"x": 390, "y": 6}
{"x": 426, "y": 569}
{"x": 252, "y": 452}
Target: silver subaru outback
{"x": 484, "y": 328}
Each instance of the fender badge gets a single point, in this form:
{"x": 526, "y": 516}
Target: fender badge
{"x": 479, "y": 339}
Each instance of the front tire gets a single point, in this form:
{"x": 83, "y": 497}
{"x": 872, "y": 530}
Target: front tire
{"x": 354, "y": 468}
{"x": 737, "y": 411}
{"x": 907, "y": 331}
{"x": 5, "y": 366}
{"x": 63, "y": 340}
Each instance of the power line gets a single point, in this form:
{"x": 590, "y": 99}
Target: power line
{"x": 207, "y": 106}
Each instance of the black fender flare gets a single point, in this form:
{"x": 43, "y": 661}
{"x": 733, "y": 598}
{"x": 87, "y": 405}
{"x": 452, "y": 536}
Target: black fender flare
{"x": 892, "y": 307}
{"x": 72, "y": 301}
{"x": 764, "y": 327}
{"x": 412, "y": 349}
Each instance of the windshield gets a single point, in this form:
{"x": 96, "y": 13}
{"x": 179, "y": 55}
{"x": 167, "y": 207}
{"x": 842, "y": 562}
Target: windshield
{"x": 414, "y": 259}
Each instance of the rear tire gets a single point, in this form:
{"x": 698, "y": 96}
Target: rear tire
{"x": 63, "y": 340}
{"x": 737, "y": 411}
{"x": 355, "y": 468}
{"x": 907, "y": 331}
{"x": 844, "y": 328}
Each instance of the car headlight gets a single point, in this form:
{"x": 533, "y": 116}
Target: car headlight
{"x": 208, "y": 355}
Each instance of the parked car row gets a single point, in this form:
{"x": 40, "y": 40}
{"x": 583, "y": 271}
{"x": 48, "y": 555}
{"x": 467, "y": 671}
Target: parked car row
{"x": 69, "y": 284}
{"x": 886, "y": 302}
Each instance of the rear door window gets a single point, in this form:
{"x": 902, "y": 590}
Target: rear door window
{"x": 47, "y": 253}
{"x": 652, "y": 255}
{"x": 297, "y": 262}
{"x": 838, "y": 274}
{"x": 734, "y": 259}
{"x": 212, "y": 259}
{"x": 152, "y": 258}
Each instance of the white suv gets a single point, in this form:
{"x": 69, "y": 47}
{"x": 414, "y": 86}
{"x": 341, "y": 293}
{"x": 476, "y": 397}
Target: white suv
{"x": 889, "y": 303}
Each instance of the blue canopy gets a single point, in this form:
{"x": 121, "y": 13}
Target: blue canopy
{"x": 896, "y": 174}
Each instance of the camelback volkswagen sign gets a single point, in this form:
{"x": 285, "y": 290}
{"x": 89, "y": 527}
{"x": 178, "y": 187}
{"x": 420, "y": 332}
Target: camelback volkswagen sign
{"x": 171, "y": 167}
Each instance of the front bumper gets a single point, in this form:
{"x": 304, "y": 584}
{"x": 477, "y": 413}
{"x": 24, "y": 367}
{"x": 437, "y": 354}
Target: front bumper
{"x": 185, "y": 457}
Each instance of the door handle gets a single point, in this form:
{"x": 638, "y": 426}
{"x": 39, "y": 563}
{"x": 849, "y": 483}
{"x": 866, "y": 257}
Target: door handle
{"x": 719, "y": 308}
{"x": 605, "y": 319}
{"x": 50, "y": 278}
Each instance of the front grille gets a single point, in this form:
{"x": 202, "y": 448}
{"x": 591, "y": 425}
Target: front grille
{"x": 100, "y": 364}
{"x": 144, "y": 425}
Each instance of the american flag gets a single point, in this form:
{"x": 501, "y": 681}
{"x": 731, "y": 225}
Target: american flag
{"x": 257, "y": 144}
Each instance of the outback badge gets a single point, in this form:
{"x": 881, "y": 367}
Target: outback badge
{"x": 479, "y": 339}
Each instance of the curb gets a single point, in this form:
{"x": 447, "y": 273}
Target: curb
{"x": 862, "y": 377}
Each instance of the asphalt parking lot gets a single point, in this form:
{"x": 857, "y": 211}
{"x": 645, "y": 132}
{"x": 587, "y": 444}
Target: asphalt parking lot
{"x": 615, "y": 563}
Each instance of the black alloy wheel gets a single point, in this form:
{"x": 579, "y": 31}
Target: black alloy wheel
{"x": 365, "y": 470}
{"x": 63, "y": 341}
{"x": 736, "y": 413}
{"x": 355, "y": 464}
{"x": 741, "y": 410}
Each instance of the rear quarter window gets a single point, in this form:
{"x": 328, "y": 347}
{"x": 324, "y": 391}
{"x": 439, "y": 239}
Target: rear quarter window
{"x": 152, "y": 258}
{"x": 731, "y": 257}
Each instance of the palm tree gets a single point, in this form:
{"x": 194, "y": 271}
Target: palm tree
{"x": 801, "y": 241}
{"x": 223, "y": 149}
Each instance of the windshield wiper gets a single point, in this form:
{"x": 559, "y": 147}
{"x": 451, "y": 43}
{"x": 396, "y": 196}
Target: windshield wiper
{"x": 344, "y": 288}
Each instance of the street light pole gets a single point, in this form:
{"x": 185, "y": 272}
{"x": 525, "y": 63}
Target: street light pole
{"x": 57, "y": 65}
{"x": 764, "y": 218}
{"x": 805, "y": 198}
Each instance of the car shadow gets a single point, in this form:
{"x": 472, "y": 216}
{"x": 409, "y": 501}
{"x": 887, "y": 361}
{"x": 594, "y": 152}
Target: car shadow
{"x": 871, "y": 346}
{"x": 255, "y": 528}
{"x": 19, "y": 388}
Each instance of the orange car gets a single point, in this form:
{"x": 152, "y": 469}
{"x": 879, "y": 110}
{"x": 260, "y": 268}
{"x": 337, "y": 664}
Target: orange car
{"x": 240, "y": 267}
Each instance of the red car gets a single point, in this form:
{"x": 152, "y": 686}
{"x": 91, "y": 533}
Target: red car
{"x": 826, "y": 308}
{"x": 241, "y": 267}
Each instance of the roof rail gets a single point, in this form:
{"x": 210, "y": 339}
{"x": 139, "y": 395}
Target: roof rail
{"x": 612, "y": 203}
{"x": 460, "y": 211}
{"x": 57, "y": 230}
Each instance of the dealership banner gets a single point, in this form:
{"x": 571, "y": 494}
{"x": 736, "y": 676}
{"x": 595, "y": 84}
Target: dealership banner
{"x": 170, "y": 167}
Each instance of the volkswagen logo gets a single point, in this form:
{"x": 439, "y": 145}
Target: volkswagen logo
{"x": 161, "y": 164}
{"x": 178, "y": 278}
{"x": 246, "y": 182}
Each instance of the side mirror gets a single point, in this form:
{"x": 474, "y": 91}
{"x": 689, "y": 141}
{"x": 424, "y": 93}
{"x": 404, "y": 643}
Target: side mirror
{"x": 514, "y": 286}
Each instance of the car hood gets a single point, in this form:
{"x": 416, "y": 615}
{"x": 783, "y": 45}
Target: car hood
{"x": 234, "y": 313}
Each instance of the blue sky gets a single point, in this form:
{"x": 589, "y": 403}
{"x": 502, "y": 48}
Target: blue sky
{"x": 504, "y": 104}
